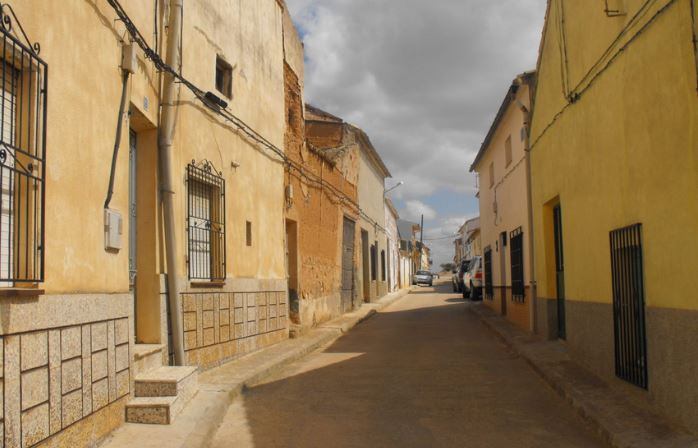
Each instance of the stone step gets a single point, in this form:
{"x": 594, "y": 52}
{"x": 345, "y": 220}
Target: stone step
{"x": 147, "y": 357}
{"x": 153, "y": 410}
{"x": 167, "y": 382}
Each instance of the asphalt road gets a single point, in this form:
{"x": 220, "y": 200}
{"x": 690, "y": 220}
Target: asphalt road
{"x": 423, "y": 373}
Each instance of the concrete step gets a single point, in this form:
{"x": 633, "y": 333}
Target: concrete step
{"x": 166, "y": 382}
{"x": 147, "y": 357}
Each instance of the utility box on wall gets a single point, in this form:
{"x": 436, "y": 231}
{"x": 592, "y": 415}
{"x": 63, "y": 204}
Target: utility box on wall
{"x": 113, "y": 229}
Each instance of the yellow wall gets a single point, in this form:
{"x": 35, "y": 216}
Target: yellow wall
{"x": 624, "y": 153}
{"x": 81, "y": 45}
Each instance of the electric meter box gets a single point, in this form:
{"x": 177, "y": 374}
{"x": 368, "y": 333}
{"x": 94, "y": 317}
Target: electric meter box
{"x": 113, "y": 229}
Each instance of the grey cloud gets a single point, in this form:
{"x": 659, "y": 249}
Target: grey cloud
{"x": 422, "y": 78}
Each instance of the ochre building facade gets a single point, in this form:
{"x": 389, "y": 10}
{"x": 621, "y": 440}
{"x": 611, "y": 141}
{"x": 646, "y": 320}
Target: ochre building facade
{"x": 614, "y": 186}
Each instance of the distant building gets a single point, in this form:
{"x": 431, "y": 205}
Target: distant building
{"x": 393, "y": 244}
{"x": 408, "y": 246}
{"x": 468, "y": 243}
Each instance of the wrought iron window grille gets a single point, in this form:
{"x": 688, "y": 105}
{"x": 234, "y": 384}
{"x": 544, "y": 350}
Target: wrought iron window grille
{"x": 489, "y": 286}
{"x": 518, "y": 290}
{"x": 23, "y": 95}
{"x": 630, "y": 336}
{"x": 206, "y": 222}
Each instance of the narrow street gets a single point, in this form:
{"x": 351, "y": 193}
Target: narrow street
{"x": 423, "y": 373}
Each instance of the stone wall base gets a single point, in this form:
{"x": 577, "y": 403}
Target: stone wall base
{"x": 672, "y": 355}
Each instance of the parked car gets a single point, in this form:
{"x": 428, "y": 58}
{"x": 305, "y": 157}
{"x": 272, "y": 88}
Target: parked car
{"x": 472, "y": 280}
{"x": 423, "y": 278}
{"x": 458, "y": 273}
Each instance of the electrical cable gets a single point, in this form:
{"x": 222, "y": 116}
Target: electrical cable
{"x": 117, "y": 139}
{"x": 161, "y": 65}
{"x": 592, "y": 81}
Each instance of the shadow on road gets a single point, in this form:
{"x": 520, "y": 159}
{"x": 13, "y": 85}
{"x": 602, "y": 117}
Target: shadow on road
{"x": 424, "y": 373}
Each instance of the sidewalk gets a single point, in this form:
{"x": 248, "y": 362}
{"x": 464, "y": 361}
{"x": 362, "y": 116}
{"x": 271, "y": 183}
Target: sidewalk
{"x": 219, "y": 387}
{"x": 618, "y": 422}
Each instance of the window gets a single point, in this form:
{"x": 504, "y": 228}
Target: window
{"x": 403, "y": 245}
{"x": 23, "y": 87}
{"x": 374, "y": 268}
{"x": 383, "y": 265}
{"x": 224, "y": 77}
{"x": 628, "y": 284}
{"x": 206, "y": 223}
{"x": 518, "y": 292}
{"x": 248, "y": 233}
{"x": 491, "y": 174}
{"x": 507, "y": 151}
{"x": 489, "y": 285}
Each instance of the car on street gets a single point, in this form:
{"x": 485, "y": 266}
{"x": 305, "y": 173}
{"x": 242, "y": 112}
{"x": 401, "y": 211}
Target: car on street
{"x": 458, "y": 273}
{"x": 472, "y": 280}
{"x": 423, "y": 278}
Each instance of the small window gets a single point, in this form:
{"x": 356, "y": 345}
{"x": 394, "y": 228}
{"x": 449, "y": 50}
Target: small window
{"x": 507, "y": 151}
{"x": 224, "y": 77}
{"x": 206, "y": 223}
{"x": 248, "y": 233}
{"x": 491, "y": 174}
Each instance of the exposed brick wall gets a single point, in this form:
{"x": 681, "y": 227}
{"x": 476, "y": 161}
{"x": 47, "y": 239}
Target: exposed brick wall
{"x": 318, "y": 211}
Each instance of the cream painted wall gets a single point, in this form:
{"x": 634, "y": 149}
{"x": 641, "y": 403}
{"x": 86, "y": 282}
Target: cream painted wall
{"x": 508, "y": 191}
{"x": 371, "y": 187}
{"x": 81, "y": 44}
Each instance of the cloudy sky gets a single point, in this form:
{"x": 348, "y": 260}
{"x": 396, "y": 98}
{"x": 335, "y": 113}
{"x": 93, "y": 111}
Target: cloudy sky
{"x": 424, "y": 79}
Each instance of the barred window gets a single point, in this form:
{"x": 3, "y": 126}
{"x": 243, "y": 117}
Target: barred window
{"x": 374, "y": 262}
{"x": 23, "y": 90}
{"x": 517, "y": 269}
{"x": 489, "y": 285}
{"x": 206, "y": 223}
{"x": 383, "y": 271}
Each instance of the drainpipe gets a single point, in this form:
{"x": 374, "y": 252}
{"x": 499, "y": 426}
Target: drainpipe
{"x": 533, "y": 315}
{"x": 165, "y": 138}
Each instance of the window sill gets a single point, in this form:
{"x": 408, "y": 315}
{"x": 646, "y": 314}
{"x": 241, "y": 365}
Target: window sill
{"x": 214, "y": 284}
{"x": 21, "y": 292}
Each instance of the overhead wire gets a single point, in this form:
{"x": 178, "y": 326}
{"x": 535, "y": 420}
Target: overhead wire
{"x": 240, "y": 124}
{"x": 578, "y": 93}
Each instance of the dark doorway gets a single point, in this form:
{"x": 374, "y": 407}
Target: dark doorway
{"x": 366, "y": 266}
{"x": 292, "y": 270}
{"x": 347, "y": 294}
{"x": 559, "y": 273}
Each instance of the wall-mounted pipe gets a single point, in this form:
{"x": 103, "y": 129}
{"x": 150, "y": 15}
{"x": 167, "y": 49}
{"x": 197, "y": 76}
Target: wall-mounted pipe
{"x": 165, "y": 139}
{"x": 533, "y": 315}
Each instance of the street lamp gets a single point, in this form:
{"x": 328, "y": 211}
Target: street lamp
{"x": 399, "y": 184}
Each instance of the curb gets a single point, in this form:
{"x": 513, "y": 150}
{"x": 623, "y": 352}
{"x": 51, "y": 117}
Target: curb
{"x": 593, "y": 400}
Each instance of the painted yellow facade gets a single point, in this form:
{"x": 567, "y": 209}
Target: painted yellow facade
{"x": 614, "y": 144}
{"x": 86, "y": 317}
